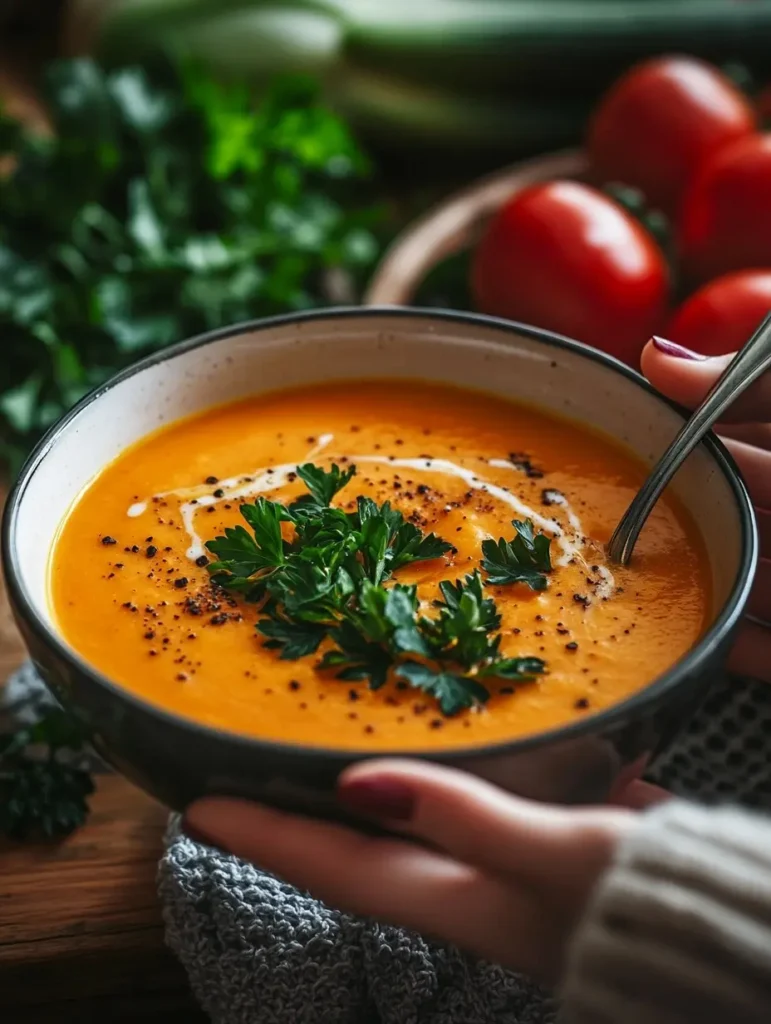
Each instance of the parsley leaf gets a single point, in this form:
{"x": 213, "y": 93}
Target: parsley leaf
{"x": 293, "y": 639}
{"x": 243, "y": 555}
{"x": 453, "y": 692}
{"x": 472, "y": 584}
{"x": 237, "y": 553}
{"x": 465, "y": 623}
{"x": 324, "y": 485}
{"x": 409, "y": 544}
{"x": 265, "y": 518}
{"x": 401, "y": 610}
{"x": 525, "y": 559}
{"x": 390, "y": 543}
{"x": 356, "y": 657}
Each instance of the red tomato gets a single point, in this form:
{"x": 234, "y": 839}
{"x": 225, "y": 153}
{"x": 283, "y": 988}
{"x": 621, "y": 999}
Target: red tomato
{"x": 660, "y": 121}
{"x": 563, "y": 256}
{"x": 725, "y": 221}
{"x": 722, "y": 315}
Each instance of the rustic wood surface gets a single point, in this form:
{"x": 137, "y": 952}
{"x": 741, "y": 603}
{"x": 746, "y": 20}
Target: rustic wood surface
{"x": 81, "y": 936}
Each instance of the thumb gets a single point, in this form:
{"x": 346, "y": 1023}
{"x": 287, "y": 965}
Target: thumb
{"x": 686, "y": 377}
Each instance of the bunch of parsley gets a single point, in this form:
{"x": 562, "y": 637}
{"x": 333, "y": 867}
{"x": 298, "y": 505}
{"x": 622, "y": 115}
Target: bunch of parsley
{"x": 164, "y": 204}
{"x": 328, "y": 583}
{"x": 43, "y": 787}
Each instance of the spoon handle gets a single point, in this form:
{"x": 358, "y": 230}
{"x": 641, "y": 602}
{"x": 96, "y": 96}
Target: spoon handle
{"x": 753, "y": 360}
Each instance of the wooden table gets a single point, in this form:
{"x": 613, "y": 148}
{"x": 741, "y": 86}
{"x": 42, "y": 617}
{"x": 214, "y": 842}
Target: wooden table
{"x": 81, "y": 936}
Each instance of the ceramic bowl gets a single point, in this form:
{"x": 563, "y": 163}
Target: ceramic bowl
{"x": 176, "y": 759}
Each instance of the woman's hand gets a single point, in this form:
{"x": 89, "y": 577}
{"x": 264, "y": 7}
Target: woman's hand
{"x": 686, "y": 377}
{"x": 504, "y": 878}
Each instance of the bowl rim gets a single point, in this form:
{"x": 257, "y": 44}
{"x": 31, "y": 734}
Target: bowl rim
{"x": 616, "y": 714}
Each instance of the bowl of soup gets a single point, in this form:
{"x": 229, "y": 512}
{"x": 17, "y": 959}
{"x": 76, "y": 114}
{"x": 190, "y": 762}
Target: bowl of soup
{"x": 271, "y": 551}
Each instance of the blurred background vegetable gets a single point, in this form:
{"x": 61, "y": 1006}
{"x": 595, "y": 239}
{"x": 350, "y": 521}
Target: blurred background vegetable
{"x": 568, "y": 258}
{"x": 660, "y": 121}
{"x": 721, "y": 315}
{"x": 507, "y": 76}
{"x": 725, "y": 219}
{"x": 164, "y": 204}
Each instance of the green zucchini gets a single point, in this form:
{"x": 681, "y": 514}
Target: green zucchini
{"x": 545, "y": 45}
{"x": 391, "y": 110}
{"x": 248, "y": 39}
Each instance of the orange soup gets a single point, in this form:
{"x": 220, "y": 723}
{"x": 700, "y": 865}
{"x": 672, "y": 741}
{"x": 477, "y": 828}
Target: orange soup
{"x": 132, "y": 589}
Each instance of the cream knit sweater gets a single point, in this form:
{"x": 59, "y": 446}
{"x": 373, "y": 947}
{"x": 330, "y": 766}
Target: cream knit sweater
{"x": 679, "y": 929}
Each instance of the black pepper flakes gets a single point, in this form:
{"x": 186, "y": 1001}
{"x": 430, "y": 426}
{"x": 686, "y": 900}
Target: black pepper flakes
{"x": 201, "y": 561}
{"x": 572, "y": 646}
{"x": 524, "y": 465}
{"x": 107, "y": 541}
{"x": 211, "y": 480}
{"x": 151, "y": 551}
{"x": 219, "y": 493}
{"x": 581, "y": 704}
{"x": 181, "y": 582}
{"x": 294, "y": 685}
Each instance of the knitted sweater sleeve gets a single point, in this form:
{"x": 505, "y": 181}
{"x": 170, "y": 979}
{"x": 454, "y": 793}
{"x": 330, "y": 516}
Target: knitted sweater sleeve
{"x": 679, "y": 929}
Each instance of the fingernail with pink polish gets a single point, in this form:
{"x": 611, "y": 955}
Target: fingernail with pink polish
{"x": 378, "y": 798}
{"x": 671, "y": 348}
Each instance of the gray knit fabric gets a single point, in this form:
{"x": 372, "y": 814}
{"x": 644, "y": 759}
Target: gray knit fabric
{"x": 257, "y": 951}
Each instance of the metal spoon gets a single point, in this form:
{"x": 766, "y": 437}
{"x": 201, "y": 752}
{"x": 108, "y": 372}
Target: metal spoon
{"x": 753, "y": 360}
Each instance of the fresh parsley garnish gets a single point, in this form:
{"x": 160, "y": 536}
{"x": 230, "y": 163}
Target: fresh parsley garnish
{"x": 526, "y": 559}
{"x": 370, "y": 543}
{"x": 322, "y": 578}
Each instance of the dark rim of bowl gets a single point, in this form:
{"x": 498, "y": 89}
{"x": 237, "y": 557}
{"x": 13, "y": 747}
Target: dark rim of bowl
{"x": 656, "y": 691}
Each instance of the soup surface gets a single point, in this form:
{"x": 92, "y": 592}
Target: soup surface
{"x": 132, "y": 592}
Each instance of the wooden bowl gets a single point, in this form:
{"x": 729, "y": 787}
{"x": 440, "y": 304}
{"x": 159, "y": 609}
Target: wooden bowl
{"x": 456, "y": 223}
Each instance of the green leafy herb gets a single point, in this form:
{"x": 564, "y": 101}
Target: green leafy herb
{"x": 327, "y": 583}
{"x": 323, "y": 485}
{"x": 454, "y": 692}
{"x": 165, "y": 204}
{"x": 244, "y": 554}
{"x": 39, "y": 792}
{"x": 526, "y": 559}
{"x": 293, "y": 639}
{"x": 356, "y": 657}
